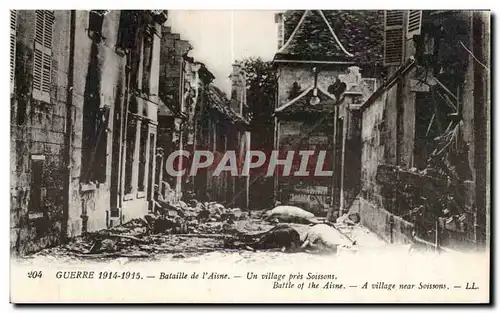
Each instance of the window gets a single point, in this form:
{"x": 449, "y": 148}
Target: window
{"x": 414, "y": 23}
{"x": 432, "y": 117}
{"x": 13, "y": 29}
{"x": 143, "y": 140}
{"x": 42, "y": 63}
{"x": 393, "y": 37}
{"x": 151, "y": 169}
{"x": 127, "y": 30}
{"x": 94, "y": 143}
{"x": 130, "y": 148}
{"x": 36, "y": 190}
{"x": 96, "y": 19}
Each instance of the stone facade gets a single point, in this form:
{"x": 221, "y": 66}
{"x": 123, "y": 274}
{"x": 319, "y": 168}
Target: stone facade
{"x": 84, "y": 92}
{"x": 38, "y": 130}
{"x": 197, "y": 116}
{"x": 320, "y": 66}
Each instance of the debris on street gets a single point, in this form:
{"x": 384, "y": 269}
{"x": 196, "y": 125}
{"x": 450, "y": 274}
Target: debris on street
{"x": 191, "y": 228}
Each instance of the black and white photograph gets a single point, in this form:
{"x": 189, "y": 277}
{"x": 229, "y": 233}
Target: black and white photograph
{"x": 293, "y": 156}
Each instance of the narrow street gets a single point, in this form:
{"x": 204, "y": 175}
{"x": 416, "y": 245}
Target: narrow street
{"x": 199, "y": 231}
{"x": 149, "y": 142}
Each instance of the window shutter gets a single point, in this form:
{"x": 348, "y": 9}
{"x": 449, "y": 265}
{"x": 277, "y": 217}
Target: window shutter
{"x": 278, "y": 19}
{"x": 13, "y": 28}
{"x": 414, "y": 23}
{"x": 393, "y": 37}
{"x": 42, "y": 63}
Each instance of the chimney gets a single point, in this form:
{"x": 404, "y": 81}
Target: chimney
{"x": 278, "y": 19}
{"x": 238, "y": 89}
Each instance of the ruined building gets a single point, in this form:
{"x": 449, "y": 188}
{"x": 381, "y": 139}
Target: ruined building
{"x": 401, "y": 99}
{"x": 197, "y": 116}
{"x": 172, "y": 114}
{"x": 320, "y": 88}
{"x": 225, "y": 126}
{"x": 425, "y": 131}
{"x": 84, "y": 102}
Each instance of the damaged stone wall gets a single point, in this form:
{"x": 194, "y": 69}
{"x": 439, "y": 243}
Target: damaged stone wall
{"x": 66, "y": 155}
{"x": 375, "y": 203}
{"x": 440, "y": 86}
{"x": 142, "y": 116}
{"x": 170, "y": 91}
{"x": 38, "y": 168}
{"x": 90, "y": 199}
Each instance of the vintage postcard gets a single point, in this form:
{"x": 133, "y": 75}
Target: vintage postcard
{"x": 294, "y": 156}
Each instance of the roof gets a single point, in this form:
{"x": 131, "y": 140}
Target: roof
{"x": 168, "y": 108}
{"x": 300, "y": 104}
{"x": 333, "y": 35}
{"x": 218, "y": 101}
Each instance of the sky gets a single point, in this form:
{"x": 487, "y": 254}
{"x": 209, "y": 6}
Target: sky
{"x": 220, "y": 37}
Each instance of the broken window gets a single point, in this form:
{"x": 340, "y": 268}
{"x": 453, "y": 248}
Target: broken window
{"x": 143, "y": 141}
{"x": 127, "y": 30}
{"x": 96, "y": 19}
{"x": 94, "y": 142}
{"x": 13, "y": 29}
{"x": 130, "y": 148}
{"x": 127, "y": 41}
{"x": 36, "y": 191}
{"x": 42, "y": 62}
{"x": 431, "y": 120}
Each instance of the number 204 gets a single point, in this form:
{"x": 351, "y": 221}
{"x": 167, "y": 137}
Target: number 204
{"x": 35, "y": 274}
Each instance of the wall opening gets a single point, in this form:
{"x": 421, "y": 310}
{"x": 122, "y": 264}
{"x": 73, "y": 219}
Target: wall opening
{"x": 36, "y": 191}
{"x": 147, "y": 59}
{"x": 129, "y": 160}
{"x": 95, "y": 119}
{"x": 96, "y": 19}
{"x": 431, "y": 121}
{"x": 151, "y": 169}
{"x": 143, "y": 140}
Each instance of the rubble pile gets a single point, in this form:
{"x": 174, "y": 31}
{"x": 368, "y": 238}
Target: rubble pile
{"x": 198, "y": 227}
{"x": 194, "y": 218}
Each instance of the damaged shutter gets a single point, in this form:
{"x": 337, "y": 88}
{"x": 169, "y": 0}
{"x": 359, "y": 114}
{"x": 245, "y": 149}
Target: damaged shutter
{"x": 42, "y": 63}
{"x": 393, "y": 37}
{"x": 13, "y": 28}
{"x": 414, "y": 23}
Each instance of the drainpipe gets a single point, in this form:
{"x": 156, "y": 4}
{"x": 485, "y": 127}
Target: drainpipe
{"x": 69, "y": 128}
